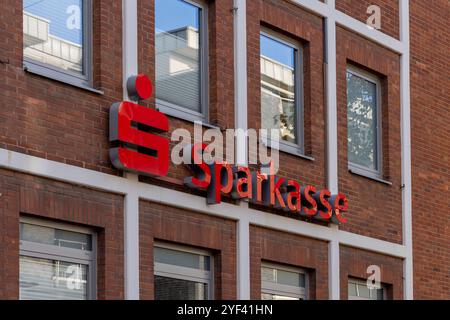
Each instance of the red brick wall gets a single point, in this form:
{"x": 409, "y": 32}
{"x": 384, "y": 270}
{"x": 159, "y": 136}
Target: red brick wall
{"x": 292, "y": 250}
{"x": 52, "y": 120}
{"x": 430, "y": 134}
{"x": 217, "y": 235}
{"x": 375, "y": 208}
{"x": 389, "y": 13}
{"x": 354, "y": 263}
{"x": 24, "y": 194}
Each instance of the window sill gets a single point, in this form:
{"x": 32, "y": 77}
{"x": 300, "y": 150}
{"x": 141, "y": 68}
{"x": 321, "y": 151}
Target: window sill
{"x": 367, "y": 175}
{"x": 41, "y": 71}
{"x": 289, "y": 149}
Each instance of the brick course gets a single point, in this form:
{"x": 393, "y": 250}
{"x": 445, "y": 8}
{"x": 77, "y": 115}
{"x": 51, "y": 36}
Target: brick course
{"x": 374, "y": 207}
{"x": 52, "y": 120}
{"x": 169, "y": 224}
{"x": 354, "y": 263}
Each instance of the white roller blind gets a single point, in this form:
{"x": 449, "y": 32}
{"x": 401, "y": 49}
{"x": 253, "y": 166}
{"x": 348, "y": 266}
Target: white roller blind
{"x": 44, "y": 279}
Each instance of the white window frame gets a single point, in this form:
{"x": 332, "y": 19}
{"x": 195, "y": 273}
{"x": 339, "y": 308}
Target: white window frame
{"x": 359, "y": 282}
{"x": 285, "y": 290}
{"x": 51, "y": 252}
{"x": 356, "y": 168}
{"x": 298, "y": 148}
{"x": 184, "y": 273}
{"x": 179, "y": 111}
{"x": 84, "y": 80}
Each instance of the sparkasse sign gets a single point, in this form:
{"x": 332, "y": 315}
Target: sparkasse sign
{"x": 136, "y": 147}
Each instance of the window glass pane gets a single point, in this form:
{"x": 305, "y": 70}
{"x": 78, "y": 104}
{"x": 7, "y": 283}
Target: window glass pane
{"x": 43, "y": 279}
{"x": 278, "y": 109}
{"x": 290, "y": 278}
{"x": 53, "y": 33}
{"x": 268, "y": 296}
{"x": 181, "y": 258}
{"x": 362, "y": 121}
{"x": 177, "y": 289}
{"x": 57, "y": 237}
{"x": 178, "y": 34}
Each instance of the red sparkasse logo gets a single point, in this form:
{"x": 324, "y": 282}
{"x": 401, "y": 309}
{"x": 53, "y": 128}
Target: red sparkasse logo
{"x": 136, "y": 147}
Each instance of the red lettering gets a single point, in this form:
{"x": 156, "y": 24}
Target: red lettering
{"x": 242, "y": 187}
{"x": 309, "y": 204}
{"x": 275, "y": 195}
{"x": 202, "y": 178}
{"x": 221, "y": 182}
{"x": 138, "y": 150}
{"x": 340, "y": 205}
{"x": 325, "y": 211}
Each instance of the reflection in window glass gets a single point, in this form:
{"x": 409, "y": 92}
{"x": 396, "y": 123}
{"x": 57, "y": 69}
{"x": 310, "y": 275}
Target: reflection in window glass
{"x": 181, "y": 258}
{"x": 358, "y": 290}
{"x": 177, "y": 289}
{"x": 268, "y": 296}
{"x": 362, "y": 121}
{"x": 53, "y": 33}
{"x": 178, "y": 34}
{"x": 278, "y": 106}
{"x": 44, "y": 279}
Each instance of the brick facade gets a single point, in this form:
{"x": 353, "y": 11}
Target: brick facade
{"x": 52, "y": 120}
{"x": 354, "y": 50}
{"x": 354, "y": 264}
{"x": 27, "y": 195}
{"x": 430, "y": 135}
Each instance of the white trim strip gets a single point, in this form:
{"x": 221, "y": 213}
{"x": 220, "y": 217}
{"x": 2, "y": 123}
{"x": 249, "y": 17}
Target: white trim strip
{"x": 332, "y": 146}
{"x": 327, "y": 11}
{"x": 241, "y": 114}
{"x": 241, "y": 78}
{"x": 406, "y": 150}
{"x": 131, "y": 214}
{"x": 15, "y": 161}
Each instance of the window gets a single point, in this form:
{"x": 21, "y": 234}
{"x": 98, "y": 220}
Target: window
{"x": 281, "y": 103}
{"x": 182, "y": 273}
{"x": 358, "y": 290}
{"x": 181, "y": 58}
{"x": 57, "y": 261}
{"x": 364, "y": 122}
{"x": 57, "y": 39}
{"x": 283, "y": 283}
